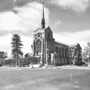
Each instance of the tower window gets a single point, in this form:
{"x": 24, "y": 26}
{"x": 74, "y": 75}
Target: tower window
{"x": 48, "y": 35}
{"x": 38, "y": 34}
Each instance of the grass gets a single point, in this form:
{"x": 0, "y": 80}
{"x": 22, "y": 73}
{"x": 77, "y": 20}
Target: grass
{"x": 44, "y": 79}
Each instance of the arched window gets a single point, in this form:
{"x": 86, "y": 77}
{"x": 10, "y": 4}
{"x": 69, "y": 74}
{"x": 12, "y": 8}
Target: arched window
{"x": 38, "y": 46}
{"x": 59, "y": 52}
{"x": 62, "y": 51}
{"x": 66, "y": 52}
{"x": 56, "y": 49}
{"x": 48, "y": 35}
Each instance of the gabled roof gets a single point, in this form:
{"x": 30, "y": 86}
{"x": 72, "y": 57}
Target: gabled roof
{"x": 61, "y": 43}
{"x": 37, "y": 29}
{"x": 48, "y": 28}
{"x": 75, "y": 45}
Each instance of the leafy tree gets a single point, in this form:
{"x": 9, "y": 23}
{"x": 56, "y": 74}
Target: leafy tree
{"x": 85, "y": 54}
{"x": 16, "y": 46}
{"x": 78, "y": 54}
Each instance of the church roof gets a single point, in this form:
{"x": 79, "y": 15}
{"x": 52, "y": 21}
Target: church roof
{"x": 48, "y": 28}
{"x": 61, "y": 43}
{"x": 73, "y": 45}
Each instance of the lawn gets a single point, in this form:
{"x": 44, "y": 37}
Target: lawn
{"x": 44, "y": 79}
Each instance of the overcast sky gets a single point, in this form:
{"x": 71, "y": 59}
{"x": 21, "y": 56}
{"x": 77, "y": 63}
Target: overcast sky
{"x": 68, "y": 19}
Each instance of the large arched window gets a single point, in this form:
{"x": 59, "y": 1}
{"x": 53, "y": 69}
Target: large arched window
{"x": 38, "y": 46}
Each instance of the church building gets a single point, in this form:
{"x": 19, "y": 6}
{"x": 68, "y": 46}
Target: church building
{"x": 49, "y": 50}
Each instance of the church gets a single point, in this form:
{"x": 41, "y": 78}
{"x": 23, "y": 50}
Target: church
{"x": 45, "y": 46}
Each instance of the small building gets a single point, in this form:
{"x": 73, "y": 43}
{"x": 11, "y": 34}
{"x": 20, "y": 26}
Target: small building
{"x": 3, "y": 55}
{"x": 76, "y": 54}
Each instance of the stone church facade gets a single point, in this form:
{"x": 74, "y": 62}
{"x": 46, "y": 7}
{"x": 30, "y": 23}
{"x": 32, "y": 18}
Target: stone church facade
{"x": 45, "y": 46}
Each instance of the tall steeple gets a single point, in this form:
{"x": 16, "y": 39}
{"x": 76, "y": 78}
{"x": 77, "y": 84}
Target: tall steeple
{"x": 43, "y": 19}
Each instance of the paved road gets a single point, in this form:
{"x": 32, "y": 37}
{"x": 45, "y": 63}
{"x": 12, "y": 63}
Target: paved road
{"x": 44, "y": 79}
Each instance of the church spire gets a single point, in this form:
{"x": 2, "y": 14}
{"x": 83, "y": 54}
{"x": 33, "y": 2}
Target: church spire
{"x": 43, "y": 19}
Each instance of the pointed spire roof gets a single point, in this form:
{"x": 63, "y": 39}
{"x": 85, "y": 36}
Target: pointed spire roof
{"x": 43, "y": 19}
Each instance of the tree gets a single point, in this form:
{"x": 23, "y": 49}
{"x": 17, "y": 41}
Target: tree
{"x": 85, "y": 54}
{"x": 78, "y": 54}
{"x": 16, "y": 46}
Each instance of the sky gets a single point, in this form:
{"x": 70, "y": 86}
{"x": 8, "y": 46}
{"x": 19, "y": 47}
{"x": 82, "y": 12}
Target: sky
{"x": 68, "y": 19}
